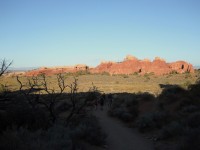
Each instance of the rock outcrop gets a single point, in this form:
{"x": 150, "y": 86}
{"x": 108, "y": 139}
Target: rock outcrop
{"x": 57, "y": 70}
{"x": 181, "y": 67}
{"x": 130, "y": 65}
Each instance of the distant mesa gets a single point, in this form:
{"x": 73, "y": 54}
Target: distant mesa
{"x": 130, "y": 65}
{"x": 57, "y": 70}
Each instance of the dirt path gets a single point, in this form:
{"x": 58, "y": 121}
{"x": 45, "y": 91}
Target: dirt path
{"x": 121, "y": 137}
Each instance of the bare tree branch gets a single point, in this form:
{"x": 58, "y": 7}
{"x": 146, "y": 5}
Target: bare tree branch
{"x": 4, "y": 66}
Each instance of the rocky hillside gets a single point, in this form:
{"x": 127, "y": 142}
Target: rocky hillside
{"x": 129, "y": 65}
{"x": 132, "y": 65}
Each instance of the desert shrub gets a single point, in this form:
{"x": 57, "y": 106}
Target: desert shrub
{"x": 173, "y": 94}
{"x": 132, "y": 102}
{"x": 16, "y": 111}
{"x": 194, "y": 89}
{"x": 125, "y": 110}
{"x": 173, "y": 72}
{"x": 150, "y": 121}
{"x": 146, "y": 75}
{"x": 171, "y": 130}
{"x": 87, "y": 129}
{"x": 2, "y": 88}
{"x": 187, "y": 75}
{"x": 169, "y": 75}
{"x": 187, "y": 83}
{"x": 189, "y": 104}
{"x": 185, "y": 102}
{"x": 190, "y": 109}
{"x": 135, "y": 73}
{"x": 118, "y": 103}
{"x": 145, "y": 97}
{"x": 56, "y": 137}
{"x": 132, "y": 107}
{"x": 105, "y": 73}
{"x": 117, "y": 111}
{"x": 121, "y": 113}
{"x": 191, "y": 140}
{"x": 126, "y": 116}
{"x": 193, "y": 120}
{"x": 62, "y": 107}
{"x": 125, "y": 76}
{"x": 82, "y": 72}
{"x": 28, "y": 117}
{"x": 147, "y": 79}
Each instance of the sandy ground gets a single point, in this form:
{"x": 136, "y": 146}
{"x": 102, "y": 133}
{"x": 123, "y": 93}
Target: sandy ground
{"x": 121, "y": 137}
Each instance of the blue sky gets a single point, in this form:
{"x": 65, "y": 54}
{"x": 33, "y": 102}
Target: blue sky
{"x": 67, "y": 32}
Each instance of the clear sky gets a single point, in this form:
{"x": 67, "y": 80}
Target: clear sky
{"x": 66, "y": 32}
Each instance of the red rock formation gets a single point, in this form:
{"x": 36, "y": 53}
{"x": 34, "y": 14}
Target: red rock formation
{"x": 181, "y": 67}
{"x": 130, "y": 65}
{"x": 56, "y": 70}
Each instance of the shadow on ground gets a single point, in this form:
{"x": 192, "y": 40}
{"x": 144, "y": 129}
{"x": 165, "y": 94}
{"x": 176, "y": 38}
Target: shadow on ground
{"x": 31, "y": 119}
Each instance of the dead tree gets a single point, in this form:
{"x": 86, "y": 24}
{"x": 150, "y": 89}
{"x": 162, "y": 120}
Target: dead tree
{"x": 73, "y": 92}
{"x": 37, "y": 87}
{"x": 38, "y": 93}
{"x": 4, "y": 66}
{"x": 77, "y": 104}
{"x": 28, "y": 88}
{"x": 3, "y": 94}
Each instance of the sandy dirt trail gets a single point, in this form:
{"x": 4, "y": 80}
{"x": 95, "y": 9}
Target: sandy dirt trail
{"x": 121, "y": 137}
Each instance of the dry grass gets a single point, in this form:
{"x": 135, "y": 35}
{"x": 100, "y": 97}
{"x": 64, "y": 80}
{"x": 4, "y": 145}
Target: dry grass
{"x": 116, "y": 83}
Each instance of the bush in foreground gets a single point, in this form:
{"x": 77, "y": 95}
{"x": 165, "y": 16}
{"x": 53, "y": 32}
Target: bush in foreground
{"x": 57, "y": 137}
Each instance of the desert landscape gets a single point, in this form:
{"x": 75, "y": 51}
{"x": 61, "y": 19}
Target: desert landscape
{"x": 148, "y": 109}
{"x": 99, "y": 75}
